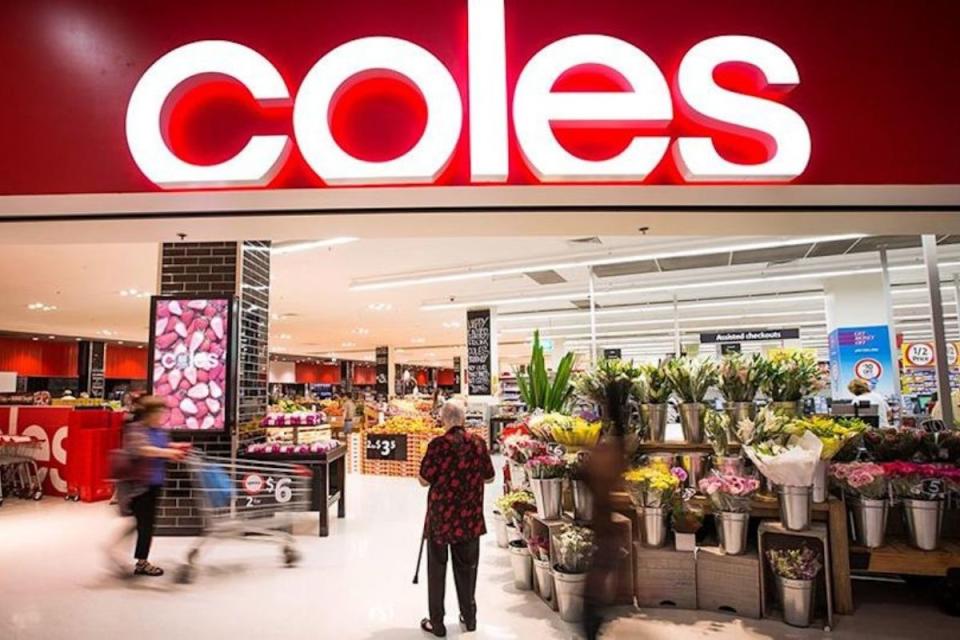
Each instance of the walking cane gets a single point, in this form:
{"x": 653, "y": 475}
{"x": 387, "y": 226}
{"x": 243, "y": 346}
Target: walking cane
{"x": 423, "y": 542}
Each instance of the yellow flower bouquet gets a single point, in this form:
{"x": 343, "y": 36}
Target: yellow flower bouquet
{"x": 654, "y": 485}
{"x": 833, "y": 433}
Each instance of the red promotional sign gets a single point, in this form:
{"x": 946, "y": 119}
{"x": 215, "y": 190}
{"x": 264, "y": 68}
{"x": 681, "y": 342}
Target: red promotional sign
{"x": 301, "y": 94}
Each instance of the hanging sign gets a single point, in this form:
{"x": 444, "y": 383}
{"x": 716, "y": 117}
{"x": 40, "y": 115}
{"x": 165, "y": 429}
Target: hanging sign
{"x": 750, "y": 335}
{"x": 479, "y": 357}
{"x": 612, "y": 354}
{"x": 383, "y": 371}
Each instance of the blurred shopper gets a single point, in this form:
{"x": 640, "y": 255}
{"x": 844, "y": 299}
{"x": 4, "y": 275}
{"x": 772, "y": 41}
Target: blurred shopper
{"x": 937, "y": 410}
{"x": 349, "y": 414}
{"x": 605, "y": 467}
{"x": 455, "y": 467}
{"x": 863, "y": 393}
{"x": 145, "y": 451}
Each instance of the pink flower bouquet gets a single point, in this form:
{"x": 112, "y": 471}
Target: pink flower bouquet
{"x": 920, "y": 481}
{"x": 729, "y": 492}
{"x": 860, "y": 479}
{"x": 521, "y": 448}
{"x": 546, "y": 467}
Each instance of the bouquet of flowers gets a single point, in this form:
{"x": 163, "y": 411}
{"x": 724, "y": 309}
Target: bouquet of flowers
{"x": 715, "y": 424}
{"x": 542, "y": 425}
{"x": 575, "y": 547}
{"x": 944, "y": 446}
{"x": 795, "y": 564}
{"x": 740, "y": 377}
{"x": 514, "y": 504}
{"x": 791, "y": 375}
{"x": 656, "y": 388}
{"x": 515, "y": 429}
{"x": 729, "y": 492}
{"x": 518, "y": 448}
{"x": 765, "y": 427}
{"x": 692, "y": 378}
{"x": 860, "y": 479}
{"x": 920, "y": 481}
{"x": 546, "y": 467}
{"x": 655, "y": 484}
{"x": 579, "y": 433}
{"x": 793, "y": 464}
{"x": 833, "y": 433}
{"x": 888, "y": 445}
{"x": 539, "y": 547}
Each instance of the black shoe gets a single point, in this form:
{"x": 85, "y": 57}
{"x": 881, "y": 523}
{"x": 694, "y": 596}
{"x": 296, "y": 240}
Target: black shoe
{"x": 144, "y": 568}
{"x": 469, "y": 625}
{"x": 440, "y": 631}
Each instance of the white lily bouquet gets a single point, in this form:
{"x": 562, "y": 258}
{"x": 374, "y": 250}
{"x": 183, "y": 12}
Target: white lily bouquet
{"x": 792, "y": 464}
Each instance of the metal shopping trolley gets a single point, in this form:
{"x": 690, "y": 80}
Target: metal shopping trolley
{"x": 246, "y": 500}
{"x": 19, "y": 474}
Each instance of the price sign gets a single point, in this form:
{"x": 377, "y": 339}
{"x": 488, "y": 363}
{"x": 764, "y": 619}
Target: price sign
{"x": 263, "y": 490}
{"x": 387, "y": 447}
{"x": 868, "y": 369}
{"x": 479, "y": 361}
{"x": 920, "y": 354}
{"x": 931, "y": 488}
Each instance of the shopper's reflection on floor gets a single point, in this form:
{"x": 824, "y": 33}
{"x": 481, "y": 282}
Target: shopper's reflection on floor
{"x": 604, "y": 467}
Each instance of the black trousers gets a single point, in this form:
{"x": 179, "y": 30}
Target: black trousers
{"x": 144, "y": 508}
{"x": 466, "y": 559}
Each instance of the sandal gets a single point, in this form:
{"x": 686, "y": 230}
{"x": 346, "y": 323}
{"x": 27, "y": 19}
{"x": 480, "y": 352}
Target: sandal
{"x": 439, "y": 631}
{"x": 144, "y": 568}
{"x": 468, "y": 625}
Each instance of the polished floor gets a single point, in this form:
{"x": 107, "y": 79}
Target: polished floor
{"x": 356, "y": 584}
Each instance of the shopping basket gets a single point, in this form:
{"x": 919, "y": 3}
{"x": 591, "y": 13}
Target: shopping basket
{"x": 246, "y": 500}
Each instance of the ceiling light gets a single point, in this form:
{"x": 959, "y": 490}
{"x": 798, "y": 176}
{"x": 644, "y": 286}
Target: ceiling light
{"x": 418, "y": 340}
{"x": 278, "y": 348}
{"x": 360, "y": 331}
{"x": 284, "y": 336}
{"x": 279, "y": 250}
{"x": 380, "y": 306}
{"x": 451, "y": 325}
{"x": 79, "y": 339}
{"x": 473, "y": 273}
{"x": 52, "y": 337}
{"x": 627, "y": 323}
{"x": 39, "y": 306}
{"x": 35, "y": 338}
{"x": 348, "y": 344}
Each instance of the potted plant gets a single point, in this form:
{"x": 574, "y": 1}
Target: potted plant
{"x": 795, "y": 571}
{"x": 652, "y": 489}
{"x": 717, "y": 427}
{"x": 730, "y": 496}
{"x": 691, "y": 379}
{"x": 788, "y": 377}
{"x": 611, "y": 385}
{"x": 865, "y": 486}
{"x": 687, "y": 520}
{"x": 833, "y": 433}
{"x": 921, "y": 488}
{"x": 582, "y": 496}
{"x": 574, "y": 547}
{"x": 543, "y": 578}
{"x": 537, "y": 389}
{"x": 546, "y": 473}
{"x": 512, "y": 506}
{"x": 740, "y": 380}
{"x": 653, "y": 391}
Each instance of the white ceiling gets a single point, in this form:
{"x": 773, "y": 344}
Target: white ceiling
{"x": 316, "y": 313}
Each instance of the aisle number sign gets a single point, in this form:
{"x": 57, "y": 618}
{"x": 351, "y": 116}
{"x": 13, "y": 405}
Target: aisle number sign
{"x": 923, "y": 354}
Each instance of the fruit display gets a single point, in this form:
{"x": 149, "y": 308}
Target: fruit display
{"x": 408, "y": 424}
{"x": 322, "y": 446}
{"x": 299, "y": 418}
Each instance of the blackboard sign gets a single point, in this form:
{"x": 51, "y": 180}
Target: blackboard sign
{"x": 382, "y": 446}
{"x": 383, "y": 371}
{"x": 91, "y": 356}
{"x": 749, "y": 335}
{"x": 478, "y": 353}
{"x": 730, "y": 347}
{"x": 457, "y": 366}
{"x": 612, "y": 354}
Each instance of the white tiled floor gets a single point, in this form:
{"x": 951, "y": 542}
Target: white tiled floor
{"x": 356, "y": 584}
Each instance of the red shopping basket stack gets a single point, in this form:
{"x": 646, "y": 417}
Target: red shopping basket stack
{"x": 92, "y": 434}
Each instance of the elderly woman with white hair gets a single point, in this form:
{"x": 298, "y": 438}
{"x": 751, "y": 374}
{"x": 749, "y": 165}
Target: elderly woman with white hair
{"x": 455, "y": 467}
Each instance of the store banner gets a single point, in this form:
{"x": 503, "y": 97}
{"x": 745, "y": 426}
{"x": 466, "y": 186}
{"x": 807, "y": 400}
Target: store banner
{"x": 749, "y": 335}
{"x": 479, "y": 354}
{"x": 864, "y": 353}
{"x": 381, "y": 388}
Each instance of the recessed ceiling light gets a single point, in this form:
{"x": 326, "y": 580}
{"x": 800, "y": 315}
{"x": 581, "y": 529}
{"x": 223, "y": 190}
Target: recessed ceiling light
{"x": 379, "y": 306}
{"x": 35, "y": 338}
{"x": 39, "y": 306}
{"x": 52, "y": 337}
{"x": 451, "y": 325}
{"x": 360, "y": 331}
{"x": 119, "y": 341}
{"x": 418, "y": 340}
{"x": 79, "y": 339}
{"x": 348, "y": 344}
{"x": 139, "y": 346}
{"x": 283, "y": 336}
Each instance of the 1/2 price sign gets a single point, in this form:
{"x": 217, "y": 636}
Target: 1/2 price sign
{"x": 387, "y": 446}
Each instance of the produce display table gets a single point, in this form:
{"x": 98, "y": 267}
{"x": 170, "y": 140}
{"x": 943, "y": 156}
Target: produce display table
{"x": 398, "y": 454}
{"x": 328, "y": 483}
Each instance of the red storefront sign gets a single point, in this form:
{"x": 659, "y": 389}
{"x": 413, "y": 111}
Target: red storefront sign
{"x": 564, "y": 91}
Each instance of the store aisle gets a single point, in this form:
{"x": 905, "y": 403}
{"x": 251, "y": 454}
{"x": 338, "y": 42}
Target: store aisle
{"x": 353, "y": 585}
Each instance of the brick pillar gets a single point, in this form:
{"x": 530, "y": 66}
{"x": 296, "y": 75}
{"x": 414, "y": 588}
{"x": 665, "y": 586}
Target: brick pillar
{"x": 230, "y": 268}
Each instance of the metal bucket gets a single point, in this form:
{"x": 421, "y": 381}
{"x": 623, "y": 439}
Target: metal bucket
{"x": 582, "y": 501}
{"x": 789, "y": 408}
{"x": 654, "y": 526}
{"x": 522, "y": 564}
{"x": 869, "y": 521}
{"x": 795, "y": 507}
{"x": 924, "y": 518}
{"x": 796, "y": 597}
{"x": 548, "y": 495}
{"x": 729, "y": 465}
{"x": 820, "y": 482}
{"x": 655, "y": 417}
{"x": 513, "y": 534}
{"x": 669, "y": 459}
{"x": 738, "y": 411}
{"x": 518, "y": 476}
{"x": 691, "y": 421}
{"x": 732, "y": 527}
{"x": 500, "y": 529}
{"x": 697, "y": 465}
{"x": 570, "y": 588}
{"x": 544, "y": 579}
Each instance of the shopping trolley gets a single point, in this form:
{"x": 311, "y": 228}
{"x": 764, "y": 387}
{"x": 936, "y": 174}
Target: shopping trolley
{"x": 19, "y": 474}
{"x": 246, "y": 500}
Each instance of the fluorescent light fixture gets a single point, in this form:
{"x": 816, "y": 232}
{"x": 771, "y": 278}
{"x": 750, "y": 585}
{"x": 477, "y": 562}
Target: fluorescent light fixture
{"x": 805, "y": 323}
{"x": 451, "y": 325}
{"x": 380, "y": 306}
{"x": 312, "y": 244}
{"x": 418, "y": 340}
{"x": 472, "y": 273}
{"x": 348, "y": 344}
{"x": 39, "y": 306}
{"x": 360, "y": 331}
{"x": 627, "y": 323}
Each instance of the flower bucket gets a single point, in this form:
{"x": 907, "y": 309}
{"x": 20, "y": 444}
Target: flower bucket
{"x": 691, "y": 421}
{"x": 820, "y": 482}
{"x": 732, "y": 527}
{"x": 869, "y": 521}
{"x": 522, "y": 564}
{"x": 655, "y": 417}
{"x": 795, "y": 507}
{"x": 500, "y": 530}
{"x": 518, "y": 476}
{"x": 738, "y": 411}
{"x": 789, "y": 408}
{"x": 796, "y": 597}
{"x": 570, "y": 588}
{"x": 548, "y": 495}
{"x": 924, "y": 518}
{"x": 729, "y": 465}
{"x": 582, "y": 501}
{"x": 654, "y": 526}
{"x": 513, "y": 534}
{"x": 697, "y": 465}
{"x": 684, "y": 541}
{"x": 544, "y": 579}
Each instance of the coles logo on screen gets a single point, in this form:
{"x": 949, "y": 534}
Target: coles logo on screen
{"x": 537, "y": 106}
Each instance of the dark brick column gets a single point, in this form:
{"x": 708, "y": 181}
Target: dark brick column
{"x": 232, "y": 268}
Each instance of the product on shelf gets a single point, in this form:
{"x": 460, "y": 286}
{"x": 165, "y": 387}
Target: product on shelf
{"x": 322, "y": 446}
{"x": 408, "y": 424}
{"x": 298, "y": 418}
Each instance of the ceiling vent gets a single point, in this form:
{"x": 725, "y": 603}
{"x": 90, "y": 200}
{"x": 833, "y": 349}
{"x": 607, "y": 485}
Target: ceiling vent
{"x": 590, "y": 240}
{"x": 545, "y": 277}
